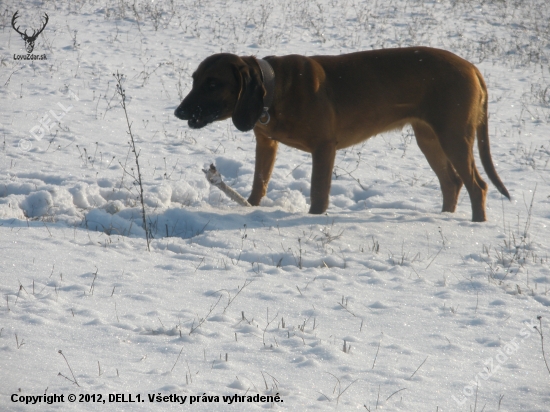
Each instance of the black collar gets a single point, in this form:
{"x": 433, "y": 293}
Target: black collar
{"x": 268, "y": 78}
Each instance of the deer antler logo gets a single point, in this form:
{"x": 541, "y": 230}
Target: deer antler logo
{"x": 29, "y": 40}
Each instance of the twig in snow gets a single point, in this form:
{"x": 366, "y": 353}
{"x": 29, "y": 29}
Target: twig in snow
{"x": 202, "y": 320}
{"x": 137, "y": 179}
{"x": 395, "y": 393}
{"x": 67, "y": 362}
{"x": 177, "y": 359}
{"x": 215, "y": 178}
{"x": 542, "y": 342}
{"x": 418, "y": 368}
{"x": 376, "y": 356}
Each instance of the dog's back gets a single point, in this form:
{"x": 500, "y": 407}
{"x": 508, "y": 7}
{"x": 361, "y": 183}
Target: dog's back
{"x": 392, "y": 87}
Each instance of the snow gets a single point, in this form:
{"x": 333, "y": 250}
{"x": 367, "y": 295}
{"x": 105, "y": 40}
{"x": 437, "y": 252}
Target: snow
{"x": 382, "y": 303}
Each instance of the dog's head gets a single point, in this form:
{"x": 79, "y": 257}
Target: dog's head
{"x": 224, "y": 85}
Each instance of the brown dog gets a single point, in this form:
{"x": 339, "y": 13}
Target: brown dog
{"x": 321, "y": 104}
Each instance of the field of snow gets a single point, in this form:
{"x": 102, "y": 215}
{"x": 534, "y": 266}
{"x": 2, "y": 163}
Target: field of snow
{"x": 382, "y": 303}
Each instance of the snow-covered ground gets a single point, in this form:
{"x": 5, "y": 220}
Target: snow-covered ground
{"x": 382, "y": 303}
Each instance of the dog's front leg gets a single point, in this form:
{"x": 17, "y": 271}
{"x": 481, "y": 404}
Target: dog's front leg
{"x": 266, "y": 151}
{"x": 323, "y": 162}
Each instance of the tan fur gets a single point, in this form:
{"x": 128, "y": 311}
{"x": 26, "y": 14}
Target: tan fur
{"x": 326, "y": 103}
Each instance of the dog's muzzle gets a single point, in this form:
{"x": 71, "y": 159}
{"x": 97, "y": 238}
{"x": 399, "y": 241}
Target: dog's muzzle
{"x": 182, "y": 114}
{"x": 198, "y": 117}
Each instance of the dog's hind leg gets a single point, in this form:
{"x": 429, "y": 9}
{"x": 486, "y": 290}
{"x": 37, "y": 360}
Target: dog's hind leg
{"x": 458, "y": 146}
{"x": 449, "y": 180}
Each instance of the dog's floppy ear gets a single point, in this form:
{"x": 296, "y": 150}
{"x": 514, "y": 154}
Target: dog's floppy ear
{"x": 249, "y": 105}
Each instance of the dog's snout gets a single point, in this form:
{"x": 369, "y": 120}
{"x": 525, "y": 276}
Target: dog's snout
{"x": 199, "y": 110}
{"x": 182, "y": 113}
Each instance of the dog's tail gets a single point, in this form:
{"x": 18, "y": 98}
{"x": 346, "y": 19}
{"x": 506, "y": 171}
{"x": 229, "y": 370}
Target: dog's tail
{"x": 483, "y": 143}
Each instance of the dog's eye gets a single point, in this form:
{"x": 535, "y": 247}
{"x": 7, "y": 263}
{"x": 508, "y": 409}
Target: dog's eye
{"x": 212, "y": 86}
